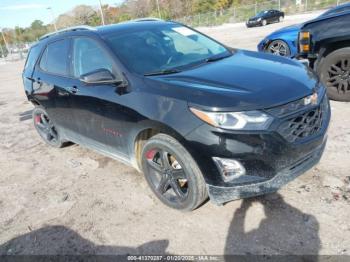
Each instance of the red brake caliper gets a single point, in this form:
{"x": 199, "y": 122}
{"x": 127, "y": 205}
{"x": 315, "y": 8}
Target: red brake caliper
{"x": 37, "y": 119}
{"x": 150, "y": 154}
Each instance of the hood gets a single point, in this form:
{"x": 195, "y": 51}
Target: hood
{"x": 255, "y": 17}
{"x": 289, "y": 29}
{"x": 245, "y": 81}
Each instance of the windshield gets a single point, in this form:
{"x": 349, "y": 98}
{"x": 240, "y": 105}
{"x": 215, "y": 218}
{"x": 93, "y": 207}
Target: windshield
{"x": 163, "y": 47}
{"x": 262, "y": 13}
{"x": 336, "y": 10}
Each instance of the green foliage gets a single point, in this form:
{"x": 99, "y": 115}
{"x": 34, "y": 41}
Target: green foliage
{"x": 203, "y": 6}
{"x": 192, "y": 12}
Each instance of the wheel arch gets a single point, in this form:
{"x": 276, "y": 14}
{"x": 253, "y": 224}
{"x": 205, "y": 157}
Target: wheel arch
{"x": 143, "y": 134}
{"x": 328, "y": 47}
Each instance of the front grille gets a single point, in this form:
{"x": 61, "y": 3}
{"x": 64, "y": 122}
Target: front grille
{"x": 306, "y": 124}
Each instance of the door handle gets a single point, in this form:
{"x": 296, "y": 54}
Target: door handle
{"x": 74, "y": 89}
{"x": 30, "y": 79}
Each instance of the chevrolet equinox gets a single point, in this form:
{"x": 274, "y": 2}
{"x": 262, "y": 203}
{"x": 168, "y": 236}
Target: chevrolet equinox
{"x": 197, "y": 118}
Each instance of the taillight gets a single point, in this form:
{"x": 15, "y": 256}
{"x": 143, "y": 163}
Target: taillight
{"x": 304, "y": 42}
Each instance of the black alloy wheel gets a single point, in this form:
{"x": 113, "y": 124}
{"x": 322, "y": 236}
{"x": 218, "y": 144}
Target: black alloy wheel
{"x": 172, "y": 173}
{"x": 339, "y": 75}
{"x": 167, "y": 175}
{"x": 45, "y": 127}
{"x": 334, "y": 70}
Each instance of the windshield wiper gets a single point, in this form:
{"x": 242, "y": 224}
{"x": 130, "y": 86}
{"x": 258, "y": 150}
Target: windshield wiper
{"x": 163, "y": 72}
{"x": 216, "y": 58}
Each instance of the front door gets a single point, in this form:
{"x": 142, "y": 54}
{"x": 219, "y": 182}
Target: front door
{"x": 98, "y": 107}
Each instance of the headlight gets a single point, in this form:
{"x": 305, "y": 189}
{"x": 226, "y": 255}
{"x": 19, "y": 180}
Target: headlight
{"x": 259, "y": 19}
{"x": 247, "y": 120}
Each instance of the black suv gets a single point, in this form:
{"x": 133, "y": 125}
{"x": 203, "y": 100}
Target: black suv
{"x": 196, "y": 117}
{"x": 325, "y": 42}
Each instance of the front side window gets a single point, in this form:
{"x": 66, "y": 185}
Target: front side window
{"x": 88, "y": 56}
{"x": 163, "y": 47}
{"x": 55, "y": 57}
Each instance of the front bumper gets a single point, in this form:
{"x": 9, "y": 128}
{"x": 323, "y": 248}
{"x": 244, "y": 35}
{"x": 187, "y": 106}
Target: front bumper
{"x": 263, "y": 45}
{"x": 253, "y": 23}
{"x": 271, "y": 158}
{"x": 219, "y": 195}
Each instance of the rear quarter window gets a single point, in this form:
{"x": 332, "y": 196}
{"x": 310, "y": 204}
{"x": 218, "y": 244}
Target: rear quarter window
{"x": 33, "y": 55}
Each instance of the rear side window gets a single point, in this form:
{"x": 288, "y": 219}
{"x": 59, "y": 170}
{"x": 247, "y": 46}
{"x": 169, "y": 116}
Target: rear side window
{"x": 55, "y": 58}
{"x": 32, "y": 58}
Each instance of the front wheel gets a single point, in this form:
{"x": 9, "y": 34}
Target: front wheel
{"x": 172, "y": 173}
{"x": 334, "y": 71}
{"x": 263, "y": 22}
{"x": 278, "y": 47}
{"x": 280, "y": 19}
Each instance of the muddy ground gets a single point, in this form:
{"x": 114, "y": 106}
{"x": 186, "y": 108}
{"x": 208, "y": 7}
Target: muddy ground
{"x": 72, "y": 200}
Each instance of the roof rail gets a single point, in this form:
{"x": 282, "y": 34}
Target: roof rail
{"x": 68, "y": 29}
{"x": 145, "y": 19}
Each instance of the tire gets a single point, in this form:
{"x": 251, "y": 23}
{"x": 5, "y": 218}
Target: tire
{"x": 334, "y": 72}
{"x": 280, "y": 19}
{"x": 263, "y": 22}
{"x": 172, "y": 173}
{"x": 278, "y": 47}
{"x": 46, "y": 128}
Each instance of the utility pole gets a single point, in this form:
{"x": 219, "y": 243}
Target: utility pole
{"x": 2, "y": 51}
{"x": 53, "y": 18}
{"x": 279, "y": 5}
{"x": 256, "y": 7}
{"x": 101, "y": 11}
{"x": 160, "y": 16}
{"x": 3, "y": 37}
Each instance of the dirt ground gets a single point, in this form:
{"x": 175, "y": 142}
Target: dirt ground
{"x": 73, "y": 201}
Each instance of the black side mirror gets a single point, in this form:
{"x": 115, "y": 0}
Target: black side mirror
{"x": 100, "y": 76}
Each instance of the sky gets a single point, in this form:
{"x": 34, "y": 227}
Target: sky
{"x": 24, "y": 12}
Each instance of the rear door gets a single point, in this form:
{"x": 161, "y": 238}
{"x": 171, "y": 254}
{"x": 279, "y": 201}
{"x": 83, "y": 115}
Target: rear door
{"x": 52, "y": 84}
{"x": 276, "y": 15}
{"x": 271, "y": 16}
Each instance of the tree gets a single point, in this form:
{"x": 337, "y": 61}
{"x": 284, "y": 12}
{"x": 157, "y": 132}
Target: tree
{"x": 223, "y": 4}
{"x": 203, "y": 6}
{"x": 83, "y": 14}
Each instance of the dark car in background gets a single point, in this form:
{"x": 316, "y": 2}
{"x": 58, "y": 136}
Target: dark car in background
{"x": 283, "y": 42}
{"x": 197, "y": 118}
{"x": 265, "y": 17}
{"x": 325, "y": 42}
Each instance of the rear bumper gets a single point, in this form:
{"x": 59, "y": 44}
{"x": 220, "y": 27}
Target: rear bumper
{"x": 219, "y": 195}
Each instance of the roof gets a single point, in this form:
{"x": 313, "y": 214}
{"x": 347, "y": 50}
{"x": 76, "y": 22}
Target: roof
{"x": 133, "y": 24}
{"x": 106, "y": 29}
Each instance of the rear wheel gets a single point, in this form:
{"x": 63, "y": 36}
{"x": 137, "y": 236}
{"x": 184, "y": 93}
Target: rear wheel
{"x": 172, "y": 173}
{"x": 46, "y": 128}
{"x": 278, "y": 47}
{"x": 280, "y": 19}
{"x": 334, "y": 71}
